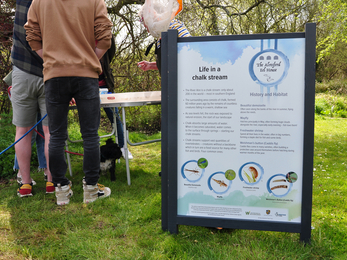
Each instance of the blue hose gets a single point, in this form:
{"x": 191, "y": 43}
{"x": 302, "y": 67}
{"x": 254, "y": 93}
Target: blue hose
{"x": 23, "y": 135}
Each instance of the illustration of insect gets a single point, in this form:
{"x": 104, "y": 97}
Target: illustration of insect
{"x": 221, "y": 183}
{"x": 254, "y": 174}
{"x": 195, "y": 172}
{"x": 280, "y": 180}
{"x": 279, "y": 187}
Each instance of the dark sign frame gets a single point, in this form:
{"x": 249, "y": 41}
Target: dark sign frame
{"x": 170, "y": 219}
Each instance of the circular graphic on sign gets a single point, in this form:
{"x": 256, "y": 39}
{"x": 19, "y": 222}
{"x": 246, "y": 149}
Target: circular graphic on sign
{"x": 251, "y": 173}
{"x": 269, "y": 67}
{"x": 218, "y": 183}
{"x": 291, "y": 177}
{"x": 191, "y": 171}
{"x": 278, "y": 185}
{"x": 202, "y": 163}
{"x": 230, "y": 175}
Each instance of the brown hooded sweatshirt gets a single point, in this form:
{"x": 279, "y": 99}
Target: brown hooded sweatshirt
{"x": 66, "y": 31}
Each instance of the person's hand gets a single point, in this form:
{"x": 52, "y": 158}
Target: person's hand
{"x": 72, "y": 102}
{"x": 145, "y": 65}
{"x": 40, "y": 53}
{"x": 99, "y": 52}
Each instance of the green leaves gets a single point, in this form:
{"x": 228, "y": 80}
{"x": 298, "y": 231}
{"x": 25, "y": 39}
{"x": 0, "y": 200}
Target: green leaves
{"x": 333, "y": 19}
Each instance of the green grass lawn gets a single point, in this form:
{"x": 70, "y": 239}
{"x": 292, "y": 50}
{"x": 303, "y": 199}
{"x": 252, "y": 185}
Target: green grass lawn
{"x": 127, "y": 225}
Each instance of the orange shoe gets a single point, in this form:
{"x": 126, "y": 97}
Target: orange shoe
{"x": 49, "y": 187}
{"x": 24, "y": 190}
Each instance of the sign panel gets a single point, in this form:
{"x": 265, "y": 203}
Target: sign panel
{"x": 240, "y": 128}
{"x": 237, "y": 131}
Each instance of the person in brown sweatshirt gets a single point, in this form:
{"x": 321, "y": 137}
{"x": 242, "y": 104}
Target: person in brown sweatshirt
{"x": 63, "y": 33}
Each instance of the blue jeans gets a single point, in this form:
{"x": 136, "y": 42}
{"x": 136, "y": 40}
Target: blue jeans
{"x": 120, "y": 133}
{"x": 40, "y": 146}
{"x": 59, "y": 91}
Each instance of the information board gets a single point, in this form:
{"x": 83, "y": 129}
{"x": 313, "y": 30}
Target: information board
{"x": 239, "y": 110}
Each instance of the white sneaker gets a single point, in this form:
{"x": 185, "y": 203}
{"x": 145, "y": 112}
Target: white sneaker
{"x": 130, "y": 156}
{"x": 94, "y": 192}
{"x": 63, "y": 193}
{"x": 19, "y": 179}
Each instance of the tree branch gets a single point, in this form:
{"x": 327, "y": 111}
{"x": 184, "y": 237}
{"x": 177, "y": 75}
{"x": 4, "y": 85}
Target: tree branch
{"x": 225, "y": 8}
{"x": 115, "y": 9}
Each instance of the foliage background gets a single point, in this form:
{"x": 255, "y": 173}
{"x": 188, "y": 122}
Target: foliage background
{"x": 130, "y": 228}
{"x": 6, "y": 27}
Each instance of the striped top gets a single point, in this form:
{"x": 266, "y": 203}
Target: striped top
{"x": 180, "y": 27}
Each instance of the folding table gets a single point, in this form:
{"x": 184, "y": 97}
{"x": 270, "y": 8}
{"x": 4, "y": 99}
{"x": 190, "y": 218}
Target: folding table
{"x": 123, "y": 100}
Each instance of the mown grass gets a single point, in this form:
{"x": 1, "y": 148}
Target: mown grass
{"x": 127, "y": 225}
